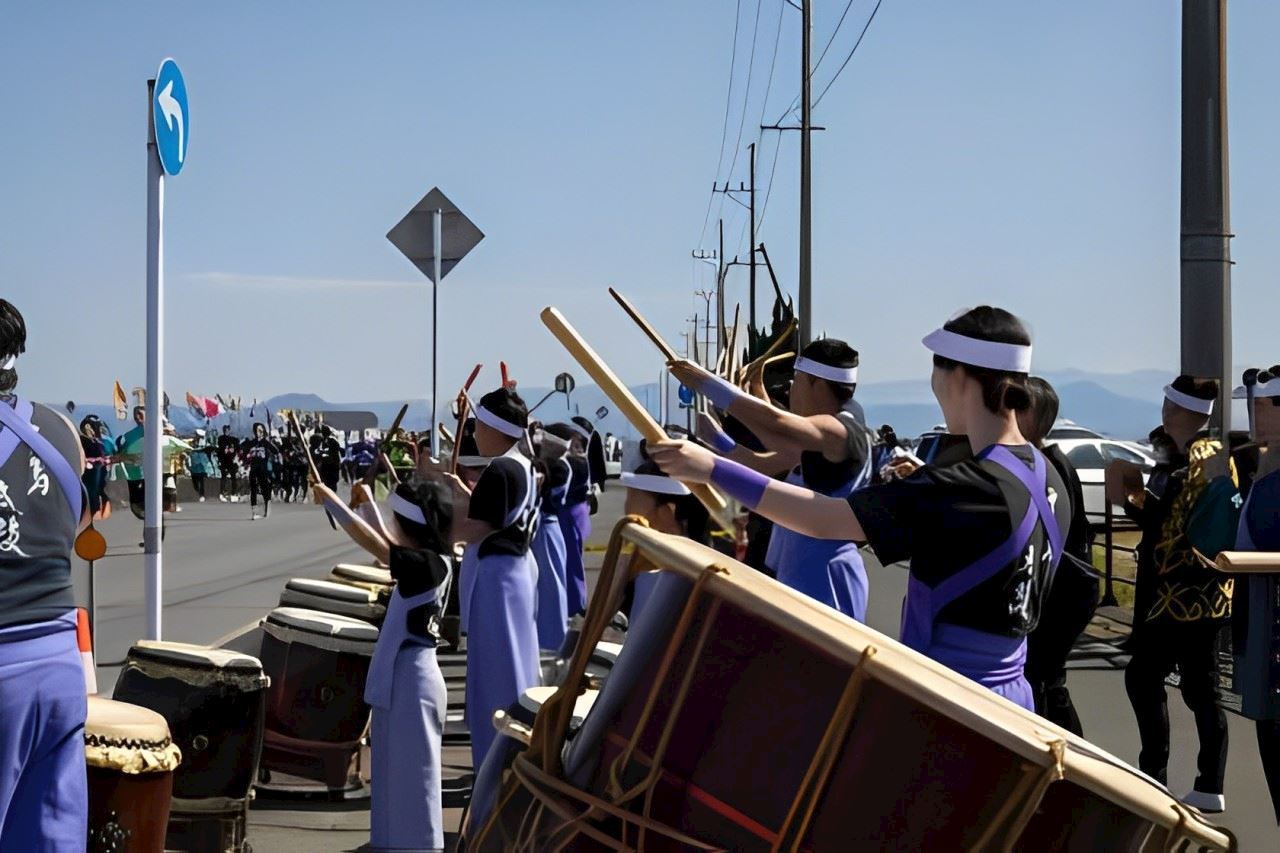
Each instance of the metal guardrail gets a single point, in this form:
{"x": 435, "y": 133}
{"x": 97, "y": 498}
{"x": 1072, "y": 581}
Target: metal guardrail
{"x": 1110, "y": 526}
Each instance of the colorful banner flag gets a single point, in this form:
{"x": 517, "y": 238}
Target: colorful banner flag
{"x": 120, "y": 401}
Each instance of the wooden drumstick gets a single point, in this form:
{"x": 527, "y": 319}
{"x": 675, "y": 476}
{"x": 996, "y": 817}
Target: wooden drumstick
{"x": 464, "y": 403}
{"x": 1250, "y": 562}
{"x": 768, "y": 356}
{"x": 627, "y": 404}
{"x": 313, "y": 473}
{"x": 372, "y": 473}
{"x": 667, "y": 352}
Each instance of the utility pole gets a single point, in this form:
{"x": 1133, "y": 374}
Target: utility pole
{"x": 1206, "y": 202}
{"x": 751, "y": 311}
{"x": 806, "y": 190}
{"x": 720, "y": 271}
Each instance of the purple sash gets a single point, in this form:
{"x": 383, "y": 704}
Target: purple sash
{"x": 989, "y": 659}
{"x": 18, "y": 428}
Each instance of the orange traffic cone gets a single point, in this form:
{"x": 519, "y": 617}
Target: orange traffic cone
{"x": 85, "y": 640}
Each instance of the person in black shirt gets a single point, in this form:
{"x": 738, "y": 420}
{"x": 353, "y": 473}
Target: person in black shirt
{"x": 262, "y": 456}
{"x": 43, "y": 785}
{"x": 95, "y": 461}
{"x": 1180, "y": 605}
{"x": 982, "y": 535}
{"x": 1073, "y": 593}
{"x": 327, "y": 453}
{"x": 229, "y": 465}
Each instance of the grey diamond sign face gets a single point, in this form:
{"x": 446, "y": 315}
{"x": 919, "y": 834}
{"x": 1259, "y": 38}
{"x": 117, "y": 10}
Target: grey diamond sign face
{"x": 412, "y": 235}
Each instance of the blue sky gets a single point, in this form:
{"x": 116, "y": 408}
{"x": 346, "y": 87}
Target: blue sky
{"x": 1018, "y": 153}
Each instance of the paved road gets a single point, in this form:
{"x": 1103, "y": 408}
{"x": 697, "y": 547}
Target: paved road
{"x": 224, "y": 571}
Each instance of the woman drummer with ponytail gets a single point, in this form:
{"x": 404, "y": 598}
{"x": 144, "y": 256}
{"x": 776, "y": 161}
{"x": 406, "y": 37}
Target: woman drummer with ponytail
{"x": 983, "y": 535}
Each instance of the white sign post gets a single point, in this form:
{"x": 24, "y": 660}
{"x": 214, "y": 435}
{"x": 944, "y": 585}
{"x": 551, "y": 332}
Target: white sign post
{"x": 168, "y": 127}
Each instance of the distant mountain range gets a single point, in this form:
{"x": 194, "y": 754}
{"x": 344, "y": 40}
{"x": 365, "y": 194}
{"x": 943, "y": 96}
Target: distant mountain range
{"x": 1121, "y": 405}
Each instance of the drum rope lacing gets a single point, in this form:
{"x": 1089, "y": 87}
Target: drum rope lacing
{"x": 824, "y": 758}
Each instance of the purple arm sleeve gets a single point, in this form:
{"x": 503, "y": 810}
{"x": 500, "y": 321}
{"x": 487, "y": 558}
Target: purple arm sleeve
{"x": 722, "y": 442}
{"x": 720, "y": 392}
{"x": 739, "y": 482}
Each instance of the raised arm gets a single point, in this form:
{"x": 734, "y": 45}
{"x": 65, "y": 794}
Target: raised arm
{"x": 794, "y": 507}
{"x": 778, "y": 429}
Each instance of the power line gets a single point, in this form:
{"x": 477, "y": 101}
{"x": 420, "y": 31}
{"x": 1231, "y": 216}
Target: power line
{"x": 852, "y": 51}
{"x": 724, "y": 130}
{"x": 746, "y": 98}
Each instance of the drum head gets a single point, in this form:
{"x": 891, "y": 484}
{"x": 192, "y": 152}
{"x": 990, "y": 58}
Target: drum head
{"x": 90, "y": 544}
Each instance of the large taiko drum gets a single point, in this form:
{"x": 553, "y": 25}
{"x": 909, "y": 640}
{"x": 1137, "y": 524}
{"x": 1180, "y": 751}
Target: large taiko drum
{"x": 372, "y": 578}
{"x": 316, "y": 713}
{"x": 332, "y": 597}
{"x": 743, "y": 716}
{"x": 130, "y": 760}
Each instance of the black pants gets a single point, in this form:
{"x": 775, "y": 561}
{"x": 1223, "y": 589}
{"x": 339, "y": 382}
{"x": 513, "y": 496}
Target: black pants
{"x": 259, "y": 484}
{"x": 1066, "y": 614}
{"x": 197, "y": 483}
{"x": 138, "y": 497}
{"x": 330, "y": 474}
{"x": 1159, "y": 647}
{"x": 230, "y": 483}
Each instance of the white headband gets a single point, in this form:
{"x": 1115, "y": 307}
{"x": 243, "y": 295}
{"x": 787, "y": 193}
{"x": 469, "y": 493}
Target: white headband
{"x": 1270, "y": 388}
{"x": 654, "y": 483}
{"x": 502, "y": 425}
{"x": 843, "y": 375}
{"x": 1186, "y": 401}
{"x": 578, "y": 430}
{"x": 9, "y": 362}
{"x": 408, "y": 510}
{"x": 1014, "y": 358}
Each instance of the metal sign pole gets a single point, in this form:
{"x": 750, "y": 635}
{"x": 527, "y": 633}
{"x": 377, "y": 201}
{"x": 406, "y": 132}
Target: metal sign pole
{"x": 153, "y": 433}
{"x": 437, "y": 221}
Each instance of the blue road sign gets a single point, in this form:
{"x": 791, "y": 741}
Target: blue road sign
{"x": 171, "y": 116}
{"x": 686, "y": 396}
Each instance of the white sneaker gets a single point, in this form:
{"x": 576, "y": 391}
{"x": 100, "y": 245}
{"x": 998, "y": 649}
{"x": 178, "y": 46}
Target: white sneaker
{"x": 222, "y": 498}
{"x": 1206, "y": 803}
{"x": 202, "y": 499}
{"x": 254, "y": 516}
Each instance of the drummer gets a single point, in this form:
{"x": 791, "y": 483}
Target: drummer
{"x": 498, "y": 575}
{"x": 1260, "y": 531}
{"x": 824, "y": 443}
{"x": 405, "y": 687}
{"x": 575, "y": 514}
{"x": 43, "y": 788}
{"x": 981, "y": 535}
{"x": 669, "y": 507}
{"x": 549, "y": 550}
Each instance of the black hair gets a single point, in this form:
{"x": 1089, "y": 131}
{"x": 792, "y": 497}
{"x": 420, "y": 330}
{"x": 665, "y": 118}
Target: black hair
{"x": 834, "y": 353}
{"x": 508, "y": 405}
{"x": 257, "y": 424}
{"x": 561, "y": 430}
{"x": 689, "y": 510}
{"x": 1272, "y": 372}
{"x": 595, "y": 449}
{"x": 139, "y": 410}
{"x": 13, "y": 342}
{"x": 1001, "y": 389}
{"x": 1193, "y": 386}
{"x": 1043, "y": 410}
{"x": 436, "y": 502}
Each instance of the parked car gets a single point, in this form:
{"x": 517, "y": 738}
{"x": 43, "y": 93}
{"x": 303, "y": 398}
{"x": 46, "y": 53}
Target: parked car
{"x": 1090, "y": 456}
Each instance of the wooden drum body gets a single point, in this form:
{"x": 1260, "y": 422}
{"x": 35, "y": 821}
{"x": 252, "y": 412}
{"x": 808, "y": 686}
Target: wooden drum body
{"x": 214, "y": 701}
{"x": 130, "y": 760}
{"x": 316, "y": 713}
{"x": 372, "y": 578}
{"x": 741, "y": 715}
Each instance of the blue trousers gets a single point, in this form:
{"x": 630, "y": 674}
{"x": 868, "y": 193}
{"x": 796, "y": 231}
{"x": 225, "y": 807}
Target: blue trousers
{"x": 44, "y": 799}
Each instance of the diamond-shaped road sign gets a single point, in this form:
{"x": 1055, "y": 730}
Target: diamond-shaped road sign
{"x": 412, "y": 235}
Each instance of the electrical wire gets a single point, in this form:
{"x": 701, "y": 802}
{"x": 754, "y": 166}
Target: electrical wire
{"x": 852, "y": 51}
{"x": 724, "y": 130}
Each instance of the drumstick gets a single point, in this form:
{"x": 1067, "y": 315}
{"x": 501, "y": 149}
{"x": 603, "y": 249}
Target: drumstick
{"x": 777, "y": 344}
{"x": 353, "y": 525}
{"x": 627, "y": 404}
{"x": 372, "y": 473}
{"x": 506, "y": 380}
{"x": 312, "y": 471}
{"x": 759, "y": 366}
{"x": 667, "y": 352}
{"x": 1250, "y": 562}
{"x": 463, "y": 403}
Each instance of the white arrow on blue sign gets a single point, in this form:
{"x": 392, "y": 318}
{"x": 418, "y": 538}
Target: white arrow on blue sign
{"x": 172, "y": 118}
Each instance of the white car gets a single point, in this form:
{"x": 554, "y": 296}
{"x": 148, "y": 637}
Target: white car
{"x": 1090, "y": 457}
